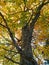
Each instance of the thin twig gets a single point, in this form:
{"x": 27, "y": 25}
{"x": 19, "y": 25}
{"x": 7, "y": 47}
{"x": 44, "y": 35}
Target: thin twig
{"x": 10, "y": 50}
{"x": 11, "y": 60}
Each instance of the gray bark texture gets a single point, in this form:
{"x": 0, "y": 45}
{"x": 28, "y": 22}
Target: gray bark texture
{"x": 27, "y": 58}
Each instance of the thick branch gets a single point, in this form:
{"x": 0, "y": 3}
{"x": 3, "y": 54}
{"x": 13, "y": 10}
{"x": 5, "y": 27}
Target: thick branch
{"x": 11, "y": 60}
{"x": 37, "y": 14}
{"x": 11, "y": 35}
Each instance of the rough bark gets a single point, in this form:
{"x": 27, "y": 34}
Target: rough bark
{"x": 27, "y": 59}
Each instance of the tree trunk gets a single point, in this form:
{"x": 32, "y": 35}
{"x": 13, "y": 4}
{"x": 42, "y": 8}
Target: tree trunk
{"x": 27, "y": 58}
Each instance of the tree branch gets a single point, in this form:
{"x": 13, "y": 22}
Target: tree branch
{"x": 37, "y": 14}
{"x": 18, "y": 39}
{"x": 6, "y": 38}
{"x": 11, "y": 60}
{"x": 10, "y": 51}
{"x": 2, "y": 25}
{"x": 11, "y": 35}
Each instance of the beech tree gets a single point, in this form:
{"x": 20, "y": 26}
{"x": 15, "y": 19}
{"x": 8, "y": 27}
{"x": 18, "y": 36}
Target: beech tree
{"x": 19, "y": 17}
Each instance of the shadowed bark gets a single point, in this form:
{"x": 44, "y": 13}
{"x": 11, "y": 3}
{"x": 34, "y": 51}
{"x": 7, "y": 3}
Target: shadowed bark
{"x": 26, "y": 45}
